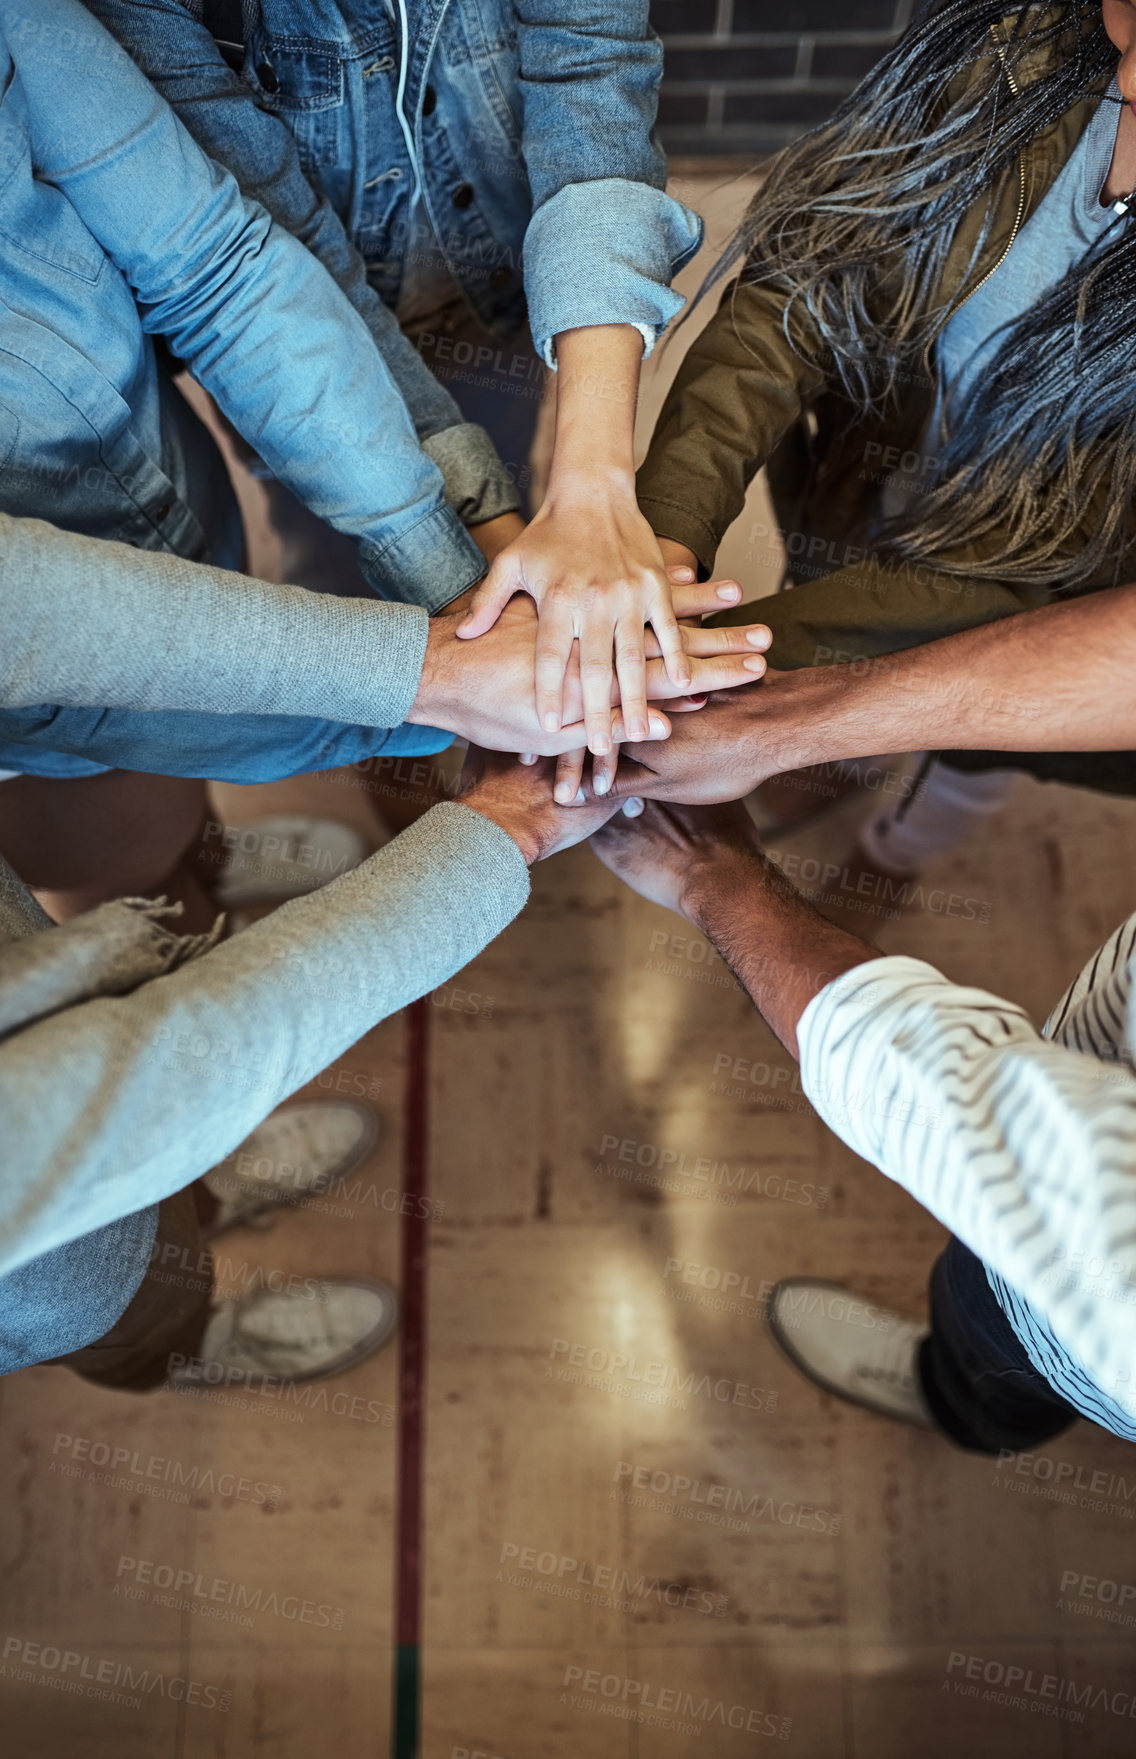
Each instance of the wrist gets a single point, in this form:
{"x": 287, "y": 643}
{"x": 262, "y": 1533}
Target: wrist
{"x": 434, "y": 702}
{"x": 576, "y": 480}
{"x": 522, "y": 827}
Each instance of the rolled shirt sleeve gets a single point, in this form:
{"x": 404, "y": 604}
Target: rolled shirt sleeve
{"x": 605, "y": 240}
{"x": 605, "y": 252}
{"x": 1023, "y": 1147}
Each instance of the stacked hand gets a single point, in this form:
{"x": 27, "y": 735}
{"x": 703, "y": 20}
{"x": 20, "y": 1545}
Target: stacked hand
{"x": 485, "y": 689}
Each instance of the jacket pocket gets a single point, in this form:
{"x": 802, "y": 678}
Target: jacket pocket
{"x": 302, "y": 83}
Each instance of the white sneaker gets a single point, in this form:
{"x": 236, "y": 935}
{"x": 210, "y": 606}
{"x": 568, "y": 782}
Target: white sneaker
{"x": 269, "y": 860}
{"x": 306, "y": 1334}
{"x": 300, "y": 1151}
{"x": 851, "y": 1347}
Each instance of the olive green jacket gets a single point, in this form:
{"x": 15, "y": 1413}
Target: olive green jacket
{"x": 745, "y": 398}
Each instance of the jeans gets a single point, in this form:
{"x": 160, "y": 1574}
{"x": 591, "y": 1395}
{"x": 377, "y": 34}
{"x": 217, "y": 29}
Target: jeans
{"x": 982, "y": 1388}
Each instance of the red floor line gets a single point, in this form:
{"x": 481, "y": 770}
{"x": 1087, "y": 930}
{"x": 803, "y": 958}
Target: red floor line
{"x": 412, "y": 1384}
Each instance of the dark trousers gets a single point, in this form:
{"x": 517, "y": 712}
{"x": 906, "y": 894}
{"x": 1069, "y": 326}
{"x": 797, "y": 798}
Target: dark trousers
{"x": 982, "y": 1388}
{"x": 170, "y": 1308}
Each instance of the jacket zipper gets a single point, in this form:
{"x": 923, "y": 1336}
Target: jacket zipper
{"x": 1016, "y": 228}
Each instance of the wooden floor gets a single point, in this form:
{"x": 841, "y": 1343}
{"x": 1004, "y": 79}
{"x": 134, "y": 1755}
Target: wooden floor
{"x": 642, "y": 1534}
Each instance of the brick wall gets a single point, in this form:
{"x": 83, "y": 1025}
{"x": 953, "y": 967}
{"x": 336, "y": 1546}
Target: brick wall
{"x": 744, "y": 76}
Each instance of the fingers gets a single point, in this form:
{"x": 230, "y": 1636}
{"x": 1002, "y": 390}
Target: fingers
{"x": 555, "y": 635}
{"x": 670, "y": 639}
{"x": 692, "y": 598}
{"x": 631, "y": 671}
{"x": 720, "y": 672}
{"x": 604, "y": 768}
{"x": 595, "y": 682}
{"x": 569, "y": 777}
{"x": 490, "y": 599}
{"x": 633, "y": 807}
{"x": 700, "y": 639}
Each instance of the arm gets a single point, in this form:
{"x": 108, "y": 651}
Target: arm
{"x": 601, "y": 250}
{"x": 605, "y": 240}
{"x": 228, "y": 1035}
{"x": 88, "y": 622}
{"x": 1055, "y": 679}
{"x": 256, "y": 319}
{"x": 948, "y": 1090}
{"x": 177, "y": 54}
{"x": 589, "y": 559}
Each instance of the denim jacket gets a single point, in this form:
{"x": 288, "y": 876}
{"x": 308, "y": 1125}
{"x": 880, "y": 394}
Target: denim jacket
{"x": 117, "y": 228}
{"x": 532, "y": 128}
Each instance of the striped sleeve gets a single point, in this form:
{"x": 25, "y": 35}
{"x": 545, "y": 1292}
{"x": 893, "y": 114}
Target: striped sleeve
{"x": 1024, "y": 1146}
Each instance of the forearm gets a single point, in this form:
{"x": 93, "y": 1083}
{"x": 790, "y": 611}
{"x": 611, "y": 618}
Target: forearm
{"x": 778, "y": 947}
{"x": 226, "y": 1037}
{"x": 596, "y": 392}
{"x": 99, "y": 624}
{"x": 1054, "y": 679}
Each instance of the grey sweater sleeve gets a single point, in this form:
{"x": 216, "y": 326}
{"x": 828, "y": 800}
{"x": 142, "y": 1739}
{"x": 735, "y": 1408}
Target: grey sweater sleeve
{"x": 162, "y": 1083}
{"x": 200, "y": 637}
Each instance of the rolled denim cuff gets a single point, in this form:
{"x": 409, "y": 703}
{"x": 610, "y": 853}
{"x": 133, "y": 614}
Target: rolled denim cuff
{"x": 606, "y": 252}
{"x": 430, "y": 565}
{"x": 478, "y": 486}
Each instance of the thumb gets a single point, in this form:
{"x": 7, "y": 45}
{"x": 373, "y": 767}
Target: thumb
{"x": 489, "y": 600}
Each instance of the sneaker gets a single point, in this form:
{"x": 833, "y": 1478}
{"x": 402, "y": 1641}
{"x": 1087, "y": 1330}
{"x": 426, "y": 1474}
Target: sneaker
{"x": 270, "y": 860}
{"x": 297, "y": 1153}
{"x": 307, "y": 1334}
{"x": 851, "y": 1347}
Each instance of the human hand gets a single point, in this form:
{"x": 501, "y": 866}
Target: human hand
{"x": 591, "y": 564}
{"x": 484, "y": 689}
{"x": 677, "y": 855}
{"x": 738, "y": 740}
{"x": 518, "y": 798}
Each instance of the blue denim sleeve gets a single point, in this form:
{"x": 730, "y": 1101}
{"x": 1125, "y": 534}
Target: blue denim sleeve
{"x": 605, "y": 240}
{"x": 180, "y": 58}
{"x": 259, "y": 322}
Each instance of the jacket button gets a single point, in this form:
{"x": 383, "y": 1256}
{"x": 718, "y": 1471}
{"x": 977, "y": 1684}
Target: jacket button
{"x": 463, "y": 195}
{"x": 500, "y": 277}
{"x": 268, "y": 77}
{"x": 429, "y": 101}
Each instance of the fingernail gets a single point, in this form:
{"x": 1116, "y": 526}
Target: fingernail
{"x": 729, "y": 592}
{"x": 754, "y": 664}
{"x": 759, "y": 637}
{"x": 633, "y": 807}
{"x": 658, "y": 727}
{"x": 684, "y": 573}
{"x": 600, "y": 784}
{"x": 638, "y": 727}
{"x": 581, "y": 798}
{"x": 551, "y": 722}
{"x": 601, "y": 745}
{"x": 563, "y": 793}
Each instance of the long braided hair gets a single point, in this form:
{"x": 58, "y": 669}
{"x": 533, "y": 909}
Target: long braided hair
{"x": 854, "y": 222}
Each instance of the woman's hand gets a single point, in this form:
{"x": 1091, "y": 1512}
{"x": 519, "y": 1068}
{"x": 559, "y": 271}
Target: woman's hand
{"x": 592, "y": 565}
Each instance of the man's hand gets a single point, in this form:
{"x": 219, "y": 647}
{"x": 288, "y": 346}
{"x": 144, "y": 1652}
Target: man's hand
{"x": 678, "y": 855}
{"x": 713, "y": 756}
{"x": 484, "y": 689}
{"x": 518, "y": 797}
